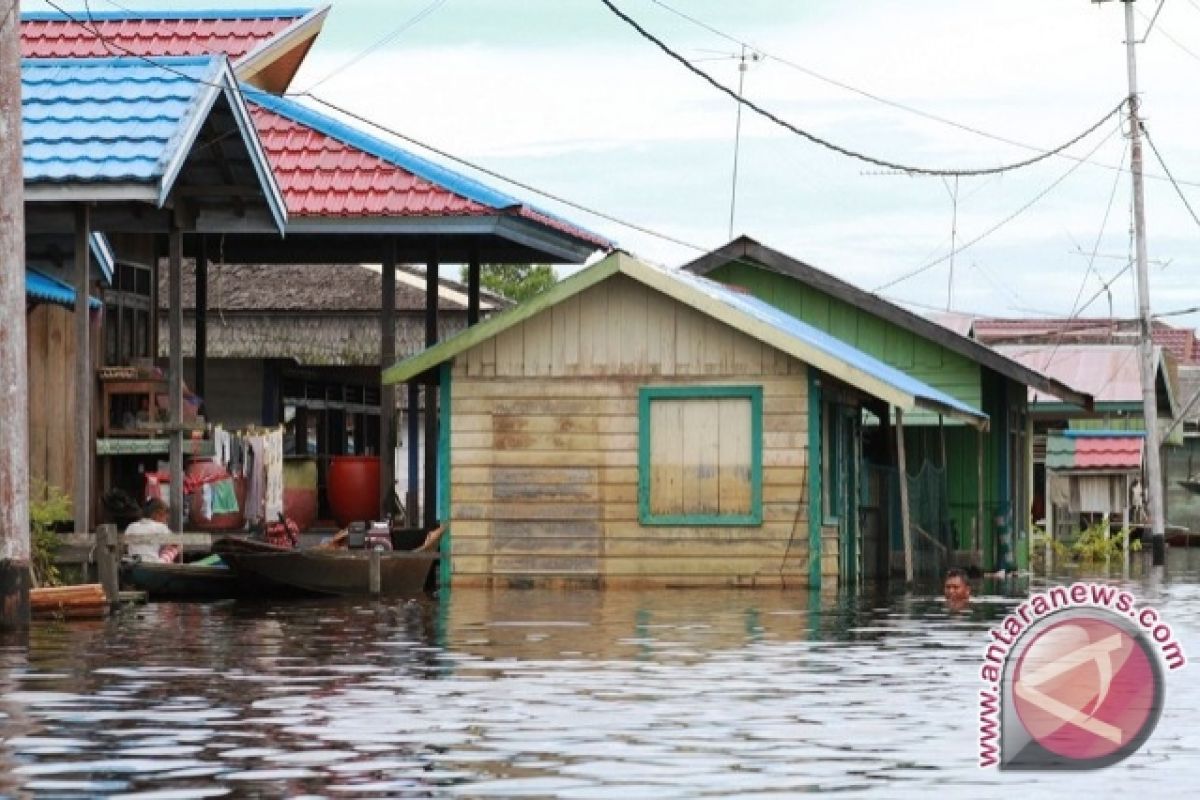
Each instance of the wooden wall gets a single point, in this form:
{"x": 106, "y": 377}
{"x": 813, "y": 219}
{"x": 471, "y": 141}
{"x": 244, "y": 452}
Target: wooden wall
{"x": 544, "y": 449}
{"x": 51, "y": 395}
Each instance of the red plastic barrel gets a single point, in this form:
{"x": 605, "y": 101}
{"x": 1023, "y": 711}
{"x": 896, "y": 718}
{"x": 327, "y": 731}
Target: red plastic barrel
{"x": 353, "y": 488}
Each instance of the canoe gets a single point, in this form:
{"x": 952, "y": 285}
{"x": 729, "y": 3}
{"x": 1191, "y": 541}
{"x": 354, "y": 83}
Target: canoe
{"x": 181, "y": 581}
{"x": 267, "y": 569}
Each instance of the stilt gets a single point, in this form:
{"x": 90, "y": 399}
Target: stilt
{"x": 387, "y": 394}
{"x": 432, "y": 292}
{"x": 83, "y": 373}
{"x": 200, "y": 384}
{"x": 175, "y": 372}
{"x": 905, "y": 524}
{"x": 412, "y": 500}
{"x": 979, "y": 523}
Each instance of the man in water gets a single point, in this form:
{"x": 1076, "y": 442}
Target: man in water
{"x": 956, "y": 589}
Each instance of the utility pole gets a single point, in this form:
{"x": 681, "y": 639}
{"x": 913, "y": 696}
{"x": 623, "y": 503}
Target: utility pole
{"x": 1149, "y": 396}
{"x": 14, "y": 422}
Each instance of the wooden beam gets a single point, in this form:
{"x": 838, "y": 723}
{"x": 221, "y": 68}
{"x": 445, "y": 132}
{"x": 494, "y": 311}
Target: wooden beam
{"x": 979, "y": 500}
{"x": 175, "y": 373}
{"x": 432, "y": 285}
{"x": 387, "y": 395}
{"x": 902, "y": 474}
{"x": 84, "y": 435}
{"x": 473, "y": 275}
{"x": 201, "y": 354}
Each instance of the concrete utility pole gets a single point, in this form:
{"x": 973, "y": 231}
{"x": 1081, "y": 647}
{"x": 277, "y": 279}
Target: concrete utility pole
{"x": 1149, "y": 396}
{"x": 14, "y": 422}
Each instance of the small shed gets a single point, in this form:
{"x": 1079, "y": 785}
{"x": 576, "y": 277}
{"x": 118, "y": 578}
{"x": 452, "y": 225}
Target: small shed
{"x": 1092, "y": 473}
{"x": 638, "y": 425}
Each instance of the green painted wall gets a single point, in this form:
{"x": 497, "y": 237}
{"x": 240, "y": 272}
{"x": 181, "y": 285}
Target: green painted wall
{"x": 928, "y": 361}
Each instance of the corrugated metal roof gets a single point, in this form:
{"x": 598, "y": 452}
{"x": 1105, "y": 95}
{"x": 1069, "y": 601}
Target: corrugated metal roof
{"x": 107, "y": 120}
{"x": 1099, "y": 450}
{"x": 1181, "y": 343}
{"x": 41, "y": 286}
{"x": 741, "y": 311}
{"x": 330, "y": 169}
{"x": 1110, "y": 373}
{"x": 233, "y": 32}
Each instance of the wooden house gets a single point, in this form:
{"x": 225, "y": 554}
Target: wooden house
{"x": 983, "y": 482}
{"x": 637, "y": 425}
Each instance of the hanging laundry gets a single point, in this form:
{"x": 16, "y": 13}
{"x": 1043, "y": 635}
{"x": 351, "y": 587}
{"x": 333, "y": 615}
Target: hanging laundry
{"x": 224, "y": 497}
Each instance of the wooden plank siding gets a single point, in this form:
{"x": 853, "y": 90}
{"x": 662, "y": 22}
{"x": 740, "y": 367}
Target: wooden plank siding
{"x": 51, "y": 354}
{"x": 544, "y": 449}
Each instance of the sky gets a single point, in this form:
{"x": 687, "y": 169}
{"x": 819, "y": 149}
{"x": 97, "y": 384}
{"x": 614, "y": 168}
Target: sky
{"x": 563, "y": 96}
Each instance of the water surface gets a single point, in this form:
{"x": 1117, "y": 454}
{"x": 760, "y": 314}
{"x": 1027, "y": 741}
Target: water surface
{"x": 571, "y": 694}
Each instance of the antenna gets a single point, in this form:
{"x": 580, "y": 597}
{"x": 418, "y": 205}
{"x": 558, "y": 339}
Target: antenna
{"x": 743, "y": 58}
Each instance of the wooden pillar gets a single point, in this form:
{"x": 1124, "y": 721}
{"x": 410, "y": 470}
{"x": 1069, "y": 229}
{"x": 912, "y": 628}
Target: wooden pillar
{"x": 387, "y": 393}
{"x": 473, "y": 273}
{"x": 1125, "y": 531}
{"x": 201, "y": 354}
{"x": 905, "y": 525}
{"x": 432, "y": 286}
{"x": 82, "y": 505}
{"x": 1049, "y": 550}
{"x": 979, "y": 509}
{"x": 411, "y": 500}
{"x": 175, "y": 372}
{"x": 942, "y": 441}
{"x": 14, "y": 365}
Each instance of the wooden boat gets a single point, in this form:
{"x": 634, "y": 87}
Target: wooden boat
{"x": 323, "y": 571}
{"x": 181, "y": 581}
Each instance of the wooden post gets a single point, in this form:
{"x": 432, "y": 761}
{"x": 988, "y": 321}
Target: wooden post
{"x": 1125, "y": 530}
{"x": 412, "y": 500}
{"x": 942, "y": 440}
{"x": 82, "y": 503}
{"x": 905, "y": 524}
{"x": 387, "y": 393}
{"x": 175, "y": 372}
{"x": 432, "y": 291}
{"x": 979, "y": 500}
{"x": 108, "y": 558}
{"x": 14, "y": 382}
{"x": 473, "y": 274}
{"x": 201, "y": 348}
{"x": 1049, "y": 559}
{"x": 374, "y": 575}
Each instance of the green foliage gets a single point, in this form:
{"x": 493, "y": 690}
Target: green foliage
{"x": 48, "y": 506}
{"x": 1095, "y": 543}
{"x": 517, "y": 282}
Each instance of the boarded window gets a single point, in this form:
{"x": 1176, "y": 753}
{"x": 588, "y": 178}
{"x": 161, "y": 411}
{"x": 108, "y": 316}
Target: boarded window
{"x": 700, "y": 455}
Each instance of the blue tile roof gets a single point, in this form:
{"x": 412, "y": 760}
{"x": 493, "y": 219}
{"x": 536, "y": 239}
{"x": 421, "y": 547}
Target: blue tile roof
{"x": 41, "y": 286}
{"x": 108, "y": 119}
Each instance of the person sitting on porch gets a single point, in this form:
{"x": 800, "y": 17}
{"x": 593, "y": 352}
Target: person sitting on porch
{"x": 143, "y": 539}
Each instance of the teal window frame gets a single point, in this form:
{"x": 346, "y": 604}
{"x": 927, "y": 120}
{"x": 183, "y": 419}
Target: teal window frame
{"x": 646, "y": 396}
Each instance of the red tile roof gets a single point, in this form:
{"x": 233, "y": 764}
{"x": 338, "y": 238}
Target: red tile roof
{"x": 323, "y": 176}
{"x": 1108, "y": 452}
{"x": 148, "y": 36}
{"x": 1181, "y": 343}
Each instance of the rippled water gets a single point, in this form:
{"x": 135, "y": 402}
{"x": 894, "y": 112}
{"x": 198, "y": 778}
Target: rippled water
{"x": 621, "y": 694}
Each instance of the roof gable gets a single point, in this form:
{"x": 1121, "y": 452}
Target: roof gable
{"x": 742, "y": 312}
{"x": 747, "y": 251}
{"x": 128, "y": 129}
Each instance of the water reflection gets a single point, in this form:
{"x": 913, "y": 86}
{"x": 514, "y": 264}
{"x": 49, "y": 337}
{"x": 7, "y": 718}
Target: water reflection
{"x": 672, "y": 693}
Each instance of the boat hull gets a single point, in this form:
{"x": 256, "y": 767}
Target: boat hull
{"x": 181, "y": 581}
{"x": 331, "y": 572}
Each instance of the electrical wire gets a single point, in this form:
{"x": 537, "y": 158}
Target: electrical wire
{"x": 879, "y": 162}
{"x": 1163, "y": 164}
{"x": 387, "y": 38}
{"x": 930, "y": 265}
{"x": 109, "y": 45}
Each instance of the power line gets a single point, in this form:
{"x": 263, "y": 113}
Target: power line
{"x": 879, "y": 162}
{"x": 493, "y": 174}
{"x": 109, "y": 45}
{"x": 930, "y": 265}
{"x": 1163, "y": 164}
{"x": 387, "y": 38}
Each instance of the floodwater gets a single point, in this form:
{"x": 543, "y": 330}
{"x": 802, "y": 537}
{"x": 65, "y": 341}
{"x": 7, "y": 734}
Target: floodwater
{"x": 621, "y": 694}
